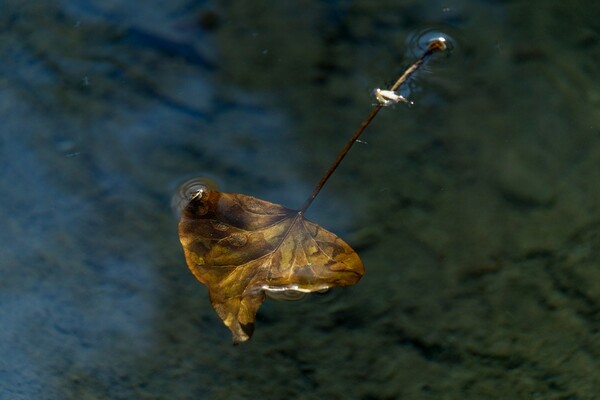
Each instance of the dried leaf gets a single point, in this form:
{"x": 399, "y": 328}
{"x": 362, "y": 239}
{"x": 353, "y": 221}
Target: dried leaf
{"x": 241, "y": 247}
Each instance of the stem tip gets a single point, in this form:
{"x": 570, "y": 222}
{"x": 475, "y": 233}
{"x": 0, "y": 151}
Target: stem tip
{"x": 437, "y": 44}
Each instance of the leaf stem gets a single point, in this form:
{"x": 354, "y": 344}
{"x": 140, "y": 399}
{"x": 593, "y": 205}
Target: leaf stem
{"x": 438, "y": 44}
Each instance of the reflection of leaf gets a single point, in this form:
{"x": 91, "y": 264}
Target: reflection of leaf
{"x": 241, "y": 247}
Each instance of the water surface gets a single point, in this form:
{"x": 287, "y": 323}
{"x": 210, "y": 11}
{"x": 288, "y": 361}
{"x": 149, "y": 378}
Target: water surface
{"x": 476, "y": 211}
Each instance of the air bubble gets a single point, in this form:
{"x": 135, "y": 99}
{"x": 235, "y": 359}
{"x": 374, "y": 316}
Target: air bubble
{"x": 286, "y": 295}
{"x": 418, "y": 42}
{"x": 237, "y": 239}
{"x": 189, "y": 190}
{"x": 220, "y": 226}
{"x": 291, "y": 292}
{"x": 253, "y": 205}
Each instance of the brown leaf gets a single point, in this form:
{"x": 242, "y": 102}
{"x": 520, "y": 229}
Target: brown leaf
{"x": 241, "y": 247}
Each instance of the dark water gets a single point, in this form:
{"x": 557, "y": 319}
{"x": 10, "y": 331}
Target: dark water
{"x": 476, "y": 211}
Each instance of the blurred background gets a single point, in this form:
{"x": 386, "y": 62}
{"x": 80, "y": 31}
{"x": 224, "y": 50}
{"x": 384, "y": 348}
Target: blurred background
{"x": 476, "y": 211}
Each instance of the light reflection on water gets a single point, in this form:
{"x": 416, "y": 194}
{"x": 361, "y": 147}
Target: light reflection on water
{"x": 475, "y": 211}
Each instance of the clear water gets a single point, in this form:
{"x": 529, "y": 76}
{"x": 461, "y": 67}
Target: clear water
{"x": 476, "y": 211}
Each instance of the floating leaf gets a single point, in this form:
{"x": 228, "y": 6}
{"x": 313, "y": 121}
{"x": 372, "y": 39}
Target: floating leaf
{"x": 243, "y": 248}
